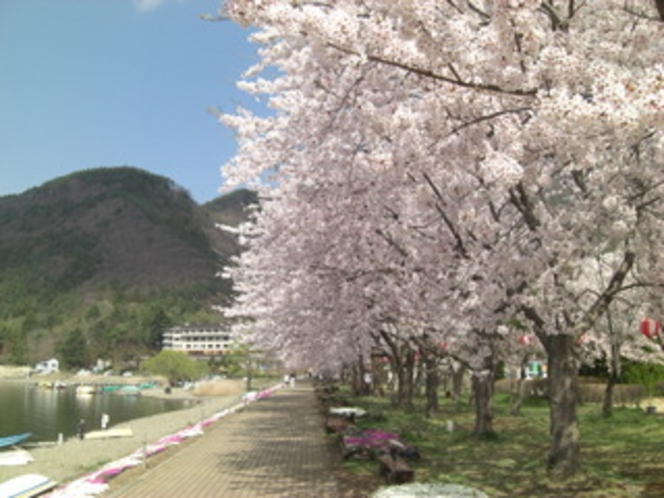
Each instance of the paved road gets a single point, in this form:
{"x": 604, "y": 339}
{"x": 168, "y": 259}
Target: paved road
{"x": 274, "y": 448}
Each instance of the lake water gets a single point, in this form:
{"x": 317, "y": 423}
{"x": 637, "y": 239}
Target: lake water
{"x": 46, "y": 413}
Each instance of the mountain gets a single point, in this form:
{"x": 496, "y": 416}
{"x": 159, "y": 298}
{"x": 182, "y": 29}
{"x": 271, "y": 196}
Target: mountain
{"x": 230, "y": 210}
{"x": 105, "y": 249}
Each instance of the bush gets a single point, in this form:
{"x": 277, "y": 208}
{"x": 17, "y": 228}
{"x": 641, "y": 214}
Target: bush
{"x": 623, "y": 394}
{"x": 591, "y": 390}
{"x": 175, "y": 366}
{"x": 649, "y": 375}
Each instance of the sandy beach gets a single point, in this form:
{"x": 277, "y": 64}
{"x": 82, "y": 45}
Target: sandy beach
{"x": 75, "y": 458}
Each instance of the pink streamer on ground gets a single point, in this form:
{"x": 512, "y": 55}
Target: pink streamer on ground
{"x": 95, "y": 483}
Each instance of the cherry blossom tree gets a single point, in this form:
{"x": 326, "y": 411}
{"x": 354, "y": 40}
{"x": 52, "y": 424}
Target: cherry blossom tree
{"x": 616, "y": 335}
{"x": 443, "y": 167}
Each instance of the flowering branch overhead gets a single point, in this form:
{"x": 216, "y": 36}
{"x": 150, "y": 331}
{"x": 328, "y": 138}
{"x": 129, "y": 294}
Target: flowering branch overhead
{"x": 447, "y": 167}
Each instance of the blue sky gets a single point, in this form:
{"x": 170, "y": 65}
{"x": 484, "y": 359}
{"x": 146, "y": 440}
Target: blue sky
{"x": 90, "y": 83}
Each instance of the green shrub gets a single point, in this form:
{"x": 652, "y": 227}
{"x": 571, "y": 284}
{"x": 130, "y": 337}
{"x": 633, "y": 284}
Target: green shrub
{"x": 649, "y": 375}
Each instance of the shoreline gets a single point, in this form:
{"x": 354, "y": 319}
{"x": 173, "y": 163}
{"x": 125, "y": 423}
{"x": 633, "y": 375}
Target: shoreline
{"x": 67, "y": 461}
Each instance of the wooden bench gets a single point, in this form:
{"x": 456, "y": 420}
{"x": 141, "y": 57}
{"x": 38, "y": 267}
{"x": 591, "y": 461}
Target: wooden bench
{"x": 395, "y": 469}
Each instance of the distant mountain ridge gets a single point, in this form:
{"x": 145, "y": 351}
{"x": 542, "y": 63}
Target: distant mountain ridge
{"x": 109, "y": 228}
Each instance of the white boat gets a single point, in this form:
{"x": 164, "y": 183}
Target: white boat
{"x": 26, "y": 486}
{"x": 86, "y": 389}
{"x": 15, "y": 456}
{"x": 110, "y": 433}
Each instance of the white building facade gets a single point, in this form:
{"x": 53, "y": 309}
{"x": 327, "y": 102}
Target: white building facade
{"x": 198, "y": 340}
{"x": 47, "y": 366}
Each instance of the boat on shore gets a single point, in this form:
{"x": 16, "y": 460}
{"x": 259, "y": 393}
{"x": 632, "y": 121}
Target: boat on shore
{"x": 26, "y": 486}
{"x": 14, "y": 457}
{"x": 110, "y": 433}
{"x": 14, "y": 439}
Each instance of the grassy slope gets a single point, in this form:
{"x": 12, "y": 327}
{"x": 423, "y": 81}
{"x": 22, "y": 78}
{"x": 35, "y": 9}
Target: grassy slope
{"x": 621, "y": 456}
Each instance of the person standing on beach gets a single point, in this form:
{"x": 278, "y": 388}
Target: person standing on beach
{"x": 81, "y": 429}
{"x": 104, "y": 421}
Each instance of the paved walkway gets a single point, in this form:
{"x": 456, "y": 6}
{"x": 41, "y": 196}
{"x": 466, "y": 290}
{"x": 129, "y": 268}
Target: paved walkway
{"x": 274, "y": 448}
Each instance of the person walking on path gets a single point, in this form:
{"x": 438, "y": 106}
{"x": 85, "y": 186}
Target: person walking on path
{"x": 80, "y": 429}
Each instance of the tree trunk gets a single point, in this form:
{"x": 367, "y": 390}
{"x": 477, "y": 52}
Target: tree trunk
{"x": 379, "y": 376}
{"x": 458, "y": 371}
{"x": 614, "y": 371}
{"x": 607, "y": 402}
{"x": 356, "y": 379}
{"x": 396, "y": 365}
{"x": 563, "y": 399}
{"x": 432, "y": 384}
{"x": 518, "y": 394}
{"x": 483, "y": 387}
{"x": 406, "y": 388}
{"x": 419, "y": 376}
{"x": 519, "y": 390}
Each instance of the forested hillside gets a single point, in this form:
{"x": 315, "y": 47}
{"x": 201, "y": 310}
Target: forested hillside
{"x": 100, "y": 260}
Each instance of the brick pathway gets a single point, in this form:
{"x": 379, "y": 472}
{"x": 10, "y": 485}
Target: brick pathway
{"x": 274, "y": 448}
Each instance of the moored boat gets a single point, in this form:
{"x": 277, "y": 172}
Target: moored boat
{"x": 129, "y": 391}
{"x": 14, "y": 439}
{"x": 86, "y": 389}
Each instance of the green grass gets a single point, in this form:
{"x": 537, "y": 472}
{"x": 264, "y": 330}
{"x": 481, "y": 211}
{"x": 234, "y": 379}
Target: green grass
{"x": 621, "y": 456}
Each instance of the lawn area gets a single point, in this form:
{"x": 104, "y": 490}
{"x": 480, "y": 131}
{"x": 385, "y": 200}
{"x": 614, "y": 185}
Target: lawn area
{"x": 621, "y": 456}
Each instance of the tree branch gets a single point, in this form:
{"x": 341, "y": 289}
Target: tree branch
{"x": 392, "y": 242}
{"x": 615, "y": 286}
{"x": 427, "y": 73}
{"x": 521, "y": 201}
{"x": 488, "y": 117}
{"x": 557, "y": 22}
{"x": 457, "y": 236}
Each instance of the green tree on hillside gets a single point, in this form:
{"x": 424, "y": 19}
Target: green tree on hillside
{"x": 15, "y": 344}
{"x": 158, "y": 321}
{"x": 73, "y": 350}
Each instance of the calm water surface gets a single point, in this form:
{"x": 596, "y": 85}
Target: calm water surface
{"x": 46, "y": 413}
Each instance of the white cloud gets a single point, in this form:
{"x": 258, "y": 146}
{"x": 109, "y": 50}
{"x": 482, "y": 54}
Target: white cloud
{"x": 145, "y": 5}
{"x": 149, "y": 5}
